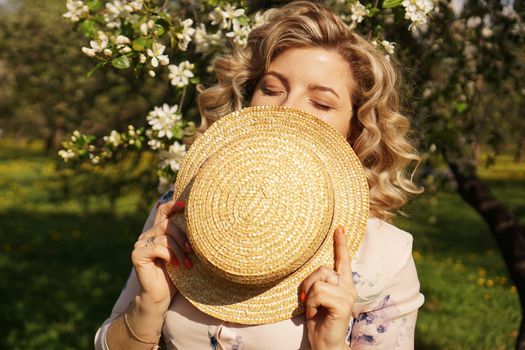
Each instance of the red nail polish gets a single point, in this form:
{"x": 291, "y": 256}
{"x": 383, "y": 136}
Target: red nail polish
{"x": 303, "y": 297}
{"x": 188, "y": 246}
{"x": 175, "y": 262}
{"x": 180, "y": 204}
{"x": 187, "y": 263}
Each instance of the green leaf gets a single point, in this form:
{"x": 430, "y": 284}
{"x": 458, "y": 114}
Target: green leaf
{"x": 461, "y": 107}
{"x": 139, "y": 44}
{"x": 173, "y": 39}
{"x": 88, "y": 28}
{"x": 160, "y": 29}
{"x": 121, "y": 62}
{"x": 387, "y": 4}
{"x": 244, "y": 20}
{"x": 373, "y": 11}
{"x": 94, "y": 5}
{"x": 178, "y": 133}
{"x": 94, "y": 69}
{"x": 195, "y": 80}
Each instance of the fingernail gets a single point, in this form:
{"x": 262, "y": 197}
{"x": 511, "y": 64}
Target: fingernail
{"x": 180, "y": 204}
{"x": 188, "y": 247}
{"x": 175, "y": 262}
{"x": 303, "y": 297}
{"x": 341, "y": 229}
{"x": 187, "y": 263}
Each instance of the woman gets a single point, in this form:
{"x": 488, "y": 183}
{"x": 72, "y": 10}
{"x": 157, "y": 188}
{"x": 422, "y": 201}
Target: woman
{"x": 304, "y": 57}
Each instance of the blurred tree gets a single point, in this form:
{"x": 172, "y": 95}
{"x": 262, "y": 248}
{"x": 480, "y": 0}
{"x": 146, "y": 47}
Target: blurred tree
{"x": 45, "y": 91}
{"x": 466, "y": 72}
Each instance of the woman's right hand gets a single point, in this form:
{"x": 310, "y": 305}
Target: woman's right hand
{"x": 163, "y": 242}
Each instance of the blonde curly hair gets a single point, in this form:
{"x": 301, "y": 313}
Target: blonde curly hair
{"x": 378, "y": 132}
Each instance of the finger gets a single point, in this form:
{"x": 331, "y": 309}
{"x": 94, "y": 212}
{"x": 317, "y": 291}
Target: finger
{"x": 341, "y": 255}
{"x": 157, "y": 229}
{"x": 179, "y": 257}
{"x": 146, "y": 254}
{"x": 167, "y": 209}
{"x": 325, "y": 295}
{"x": 319, "y": 274}
{"x": 168, "y": 226}
{"x": 179, "y": 235}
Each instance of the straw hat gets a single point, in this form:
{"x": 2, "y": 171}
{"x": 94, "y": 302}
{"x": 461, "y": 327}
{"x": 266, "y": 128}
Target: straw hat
{"x": 265, "y": 187}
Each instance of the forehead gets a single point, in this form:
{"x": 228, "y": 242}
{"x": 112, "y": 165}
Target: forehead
{"x": 314, "y": 65}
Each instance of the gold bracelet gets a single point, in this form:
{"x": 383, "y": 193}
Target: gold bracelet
{"x": 136, "y": 337}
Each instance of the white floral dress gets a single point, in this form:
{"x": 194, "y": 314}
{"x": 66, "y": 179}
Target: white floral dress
{"x": 383, "y": 317}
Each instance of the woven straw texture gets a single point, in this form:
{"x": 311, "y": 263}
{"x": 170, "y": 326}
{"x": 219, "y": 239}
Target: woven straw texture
{"x": 265, "y": 189}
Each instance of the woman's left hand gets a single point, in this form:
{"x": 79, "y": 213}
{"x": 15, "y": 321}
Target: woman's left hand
{"x": 330, "y": 297}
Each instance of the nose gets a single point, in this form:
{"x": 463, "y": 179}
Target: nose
{"x": 292, "y": 101}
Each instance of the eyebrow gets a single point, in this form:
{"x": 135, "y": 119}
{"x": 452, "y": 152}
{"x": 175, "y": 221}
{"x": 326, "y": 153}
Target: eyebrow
{"x": 311, "y": 86}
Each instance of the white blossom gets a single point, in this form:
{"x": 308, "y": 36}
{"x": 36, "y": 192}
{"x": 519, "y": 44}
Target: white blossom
{"x": 89, "y": 51}
{"x": 216, "y": 17}
{"x": 94, "y": 159}
{"x": 154, "y": 144}
{"x": 239, "y": 33}
{"x": 66, "y": 154}
{"x": 359, "y": 12}
{"x": 124, "y": 49}
{"x": 174, "y": 156}
{"x": 156, "y": 54}
{"x": 185, "y": 36}
{"x": 205, "y": 42}
{"x": 114, "y": 138}
{"x": 164, "y": 184}
{"x": 100, "y": 42}
{"x": 259, "y": 18}
{"x": 98, "y": 45}
{"x": 180, "y": 75}
{"x": 114, "y": 10}
{"x": 163, "y": 119}
{"x": 473, "y": 22}
{"x": 224, "y": 16}
{"x": 486, "y": 32}
{"x": 152, "y": 73}
{"x": 142, "y": 58}
{"x": 417, "y": 11}
{"x": 134, "y": 6}
{"x": 388, "y": 46}
{"x": 144, "y": 29}
{"x": 509, "y": 12}
{"x": 122, "y": 40}
{"x": 76, "y": 9}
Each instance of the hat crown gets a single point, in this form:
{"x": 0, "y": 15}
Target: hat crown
{"x": 259, "y": 194}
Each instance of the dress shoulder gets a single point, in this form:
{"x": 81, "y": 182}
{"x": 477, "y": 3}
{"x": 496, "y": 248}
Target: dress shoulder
{"x": 383, "y": 259}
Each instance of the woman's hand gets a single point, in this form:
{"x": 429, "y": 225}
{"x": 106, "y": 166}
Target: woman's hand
{"x": 162, "y": 242}
{"x": 330, "y": 297}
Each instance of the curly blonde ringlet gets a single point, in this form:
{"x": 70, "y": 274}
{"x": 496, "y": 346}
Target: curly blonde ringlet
{"x": 378, "y": 131}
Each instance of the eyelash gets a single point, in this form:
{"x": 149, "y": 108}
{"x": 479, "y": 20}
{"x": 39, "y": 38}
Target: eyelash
{"x": 268, "y": 92}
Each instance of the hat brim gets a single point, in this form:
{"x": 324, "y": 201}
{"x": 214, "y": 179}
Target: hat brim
{"x": 244, "y": 304}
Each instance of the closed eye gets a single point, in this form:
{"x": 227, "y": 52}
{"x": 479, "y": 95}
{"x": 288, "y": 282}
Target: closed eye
{"x": 269, "y": 92}
{"x": 321, "y": 106}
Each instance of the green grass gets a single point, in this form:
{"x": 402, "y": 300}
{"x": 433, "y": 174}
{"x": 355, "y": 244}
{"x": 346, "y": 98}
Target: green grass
{"x": 63, "y": 263}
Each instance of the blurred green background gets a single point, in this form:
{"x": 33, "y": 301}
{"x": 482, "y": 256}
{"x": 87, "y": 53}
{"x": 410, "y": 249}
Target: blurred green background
{"x": 66, "y": 234}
